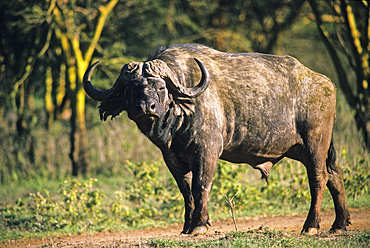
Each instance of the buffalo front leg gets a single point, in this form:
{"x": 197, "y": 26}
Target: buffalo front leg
{"x": 183, "y": 179}
{"x": 203, "y": 173}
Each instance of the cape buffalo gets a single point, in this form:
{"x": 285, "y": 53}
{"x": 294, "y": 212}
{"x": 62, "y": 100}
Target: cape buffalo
{"x": 198, "y": 105}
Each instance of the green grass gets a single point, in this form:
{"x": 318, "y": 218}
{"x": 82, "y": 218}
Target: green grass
{"x": 271, "y": 238}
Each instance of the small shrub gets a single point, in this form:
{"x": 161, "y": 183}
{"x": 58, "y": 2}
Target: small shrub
{"x": 76, "y": 203}
{"x": 81, "y": 201}
{"x": 357, "y": 180}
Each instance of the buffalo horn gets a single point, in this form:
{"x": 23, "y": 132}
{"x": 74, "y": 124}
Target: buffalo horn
{"x": 198, "y": 89}
{"x": 94, "y": 93}
{"x": 203, "y": 84}
{"x": 159, "y": 68}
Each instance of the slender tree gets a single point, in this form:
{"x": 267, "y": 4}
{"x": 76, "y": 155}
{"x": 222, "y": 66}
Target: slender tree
{"x": 71, "y": 35}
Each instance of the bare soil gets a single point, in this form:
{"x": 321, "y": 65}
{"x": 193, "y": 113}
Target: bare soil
{"x": 360, "y": 219}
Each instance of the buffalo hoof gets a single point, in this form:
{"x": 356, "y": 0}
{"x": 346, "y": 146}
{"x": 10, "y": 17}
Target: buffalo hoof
{"x": 186, "y": 231}
{"x": 340, "y": 227}
{"x": 311, "y": 231}
{"x": 337, "y": 231}
{"x": 199, "y": 230}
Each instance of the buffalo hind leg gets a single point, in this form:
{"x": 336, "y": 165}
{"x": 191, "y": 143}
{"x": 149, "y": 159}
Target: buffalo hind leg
{"x": 317, "y": 180}
{"x": 335, "y": 185}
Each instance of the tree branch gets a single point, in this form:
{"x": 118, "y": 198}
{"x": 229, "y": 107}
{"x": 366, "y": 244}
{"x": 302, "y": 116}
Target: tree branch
{"x": 342, "y": 77}
{"x": 354, "y": 39}
{"x": 279, "y": 27}
{"x": 30, "y": 65}
{"x": 104, "y": 11}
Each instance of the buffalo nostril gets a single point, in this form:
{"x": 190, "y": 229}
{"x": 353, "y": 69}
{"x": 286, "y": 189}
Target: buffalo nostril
{"x": 152, "y": 106}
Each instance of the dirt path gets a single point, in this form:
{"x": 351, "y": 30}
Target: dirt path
{"x": 360, "y": 222}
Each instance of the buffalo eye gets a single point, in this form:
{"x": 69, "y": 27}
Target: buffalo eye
{"x": 161, "y": 86}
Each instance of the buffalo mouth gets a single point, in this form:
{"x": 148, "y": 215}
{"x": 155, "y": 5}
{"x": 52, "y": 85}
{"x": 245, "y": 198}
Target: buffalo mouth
{"x": 147, "y": 117}
{"x": 145, "y": 122}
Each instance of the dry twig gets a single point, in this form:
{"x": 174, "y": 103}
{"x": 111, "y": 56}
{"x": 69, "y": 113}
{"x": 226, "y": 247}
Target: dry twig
{"x": 230, "y": 202}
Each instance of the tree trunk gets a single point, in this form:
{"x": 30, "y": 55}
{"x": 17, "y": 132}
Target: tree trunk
{"x": 61, "y": 100}
{"x": 76, "y": 65}
{"x": 21, "y": 123}
{"x": 79, "y": 152}
{"x": 49, "y": 106}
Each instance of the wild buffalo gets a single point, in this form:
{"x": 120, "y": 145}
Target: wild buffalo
{"x": 198, "y": 105}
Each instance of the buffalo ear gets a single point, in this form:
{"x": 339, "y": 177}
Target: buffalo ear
{"x": 131, "y": 70}
{"x": 113, "y": 108}
{"x": 117, "y": 103}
